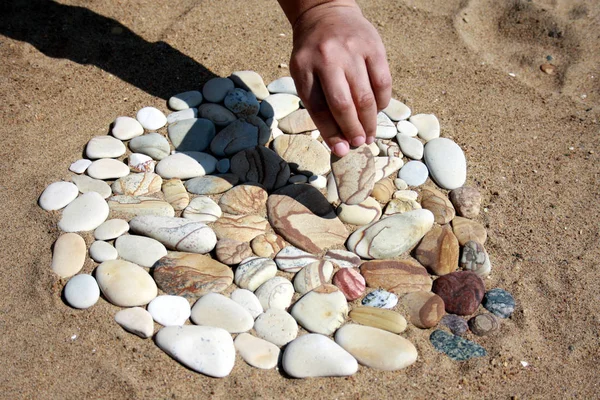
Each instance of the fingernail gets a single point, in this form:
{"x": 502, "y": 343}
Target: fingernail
{"x": 340, "y": 149}
{"x": 358, "y": 141}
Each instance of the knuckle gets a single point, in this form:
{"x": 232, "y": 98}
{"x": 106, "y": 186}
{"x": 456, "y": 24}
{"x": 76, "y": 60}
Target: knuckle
{"x": 366, "y": 101}
{"x": 340, "y": 104}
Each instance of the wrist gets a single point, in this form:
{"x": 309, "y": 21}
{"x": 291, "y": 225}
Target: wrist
{"x": 296, "y": 9}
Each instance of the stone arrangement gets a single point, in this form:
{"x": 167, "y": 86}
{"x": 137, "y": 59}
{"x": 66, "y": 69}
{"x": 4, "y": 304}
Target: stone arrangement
{"x": 237, "y": 232}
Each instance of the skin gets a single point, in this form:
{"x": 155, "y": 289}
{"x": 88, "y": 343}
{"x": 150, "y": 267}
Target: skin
{"x": 340, "y": 69}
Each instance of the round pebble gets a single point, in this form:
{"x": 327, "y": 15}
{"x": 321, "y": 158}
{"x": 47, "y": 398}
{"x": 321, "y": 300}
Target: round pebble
{"x": 456, "y": 324}
{"x": 151, "y": 118}
{"x": 101, "y": 251}
{"x": 216, "y": 89}
{"x": 499, "y": 302}
{"x": 82, "y": 291}
{"x": 414, "y": 173}
{"x": 111, "y": 229}
{"x": 276, "y": 326}
{"x": 58, "y": 195}
{"x": 169, "y": 310}
{"x": 184, "y": 100}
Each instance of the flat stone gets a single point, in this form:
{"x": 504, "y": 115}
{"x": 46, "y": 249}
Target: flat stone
{"x": 315, "y": 355}
{"x": 211, "y": 184}
{"x": 386, "y": 166}
{"x": 407, "y": 128}
{"x": 251, "y": 81}
{"x": 381, "y": 299}
{"x": 279, "y": 105}
{"x": 231, "y": 251}
{"x": 240, "y": 135}
{"x": 138, "y": 162}
{"x": 388, "y": 148}
{"x": 474, "y": 258}
{"x": 137, "y": 321}
{"x": 439, "y": 250}
{"x": 85, "y": 213}
{"x": 499, "y": 302}
{"x": 427, "y": 125}
{"x": 223, "y": 165}
{"x": 249, "y": 301}
{"x": 244, "y": 200}
{"x": 455, "y": 347}
{"x": 484, "y": 324}
{"x": 304, "y": 154}
{"x": 58, "y": 195}
{"x": 406, "y": 194}
{"x": 461, "y": 291}
{"x": 391, "y": 236}
{"x": 400, "y": 184}
{"x": 267, "y": 245}
{"x": 137, "y": 184}
{"x": 176, "y": 233}
{"x": 277, "y": 292}
{"x": 214, "y": 309}
{"x": 125, "y": 284}
{"x": 283, "y": 85}
{"x": 151, "y": 118}
{"x": 257, "y": 352}
{"x": 184, "y": 100}
{"x": 297, "y": 122}
{"x": 343, "y": 258}
{"x": 188, "y": 113}
{"x": 466, "y": 230}
{"x": 379, "y": 318}
{"x": 359, "y": 214}
{"x": 276, "y": 326}
{"x": 425, "y": 309}
{"x": 169, "y": 310}
{"x": 81, "y": 291}
{"x": 80, "y": 166}
{"x": 312, "y": 276}
{"x": 107, "y": 168}
{"x": 467, "y": 201}
{"x": 111, "y": 229}
{"x": 202, "y": 209}
{"x": 219, "y": 115}
{"x": 125, "y": 128}
{"x": 132, "y": 206}
{"x": 456, "y": 324}
{"x": 304, "y": 217}
{"x": 86, "y": 184}
{"x": 437, "y": 202}
{"x": 190, "y": 164}
{"x": 298, "y": 179}
{"x": 400, "y": 206}
{"x": 446, "y": 163}
{"x": 153, "y": 144}
{"x": 252, "y": 273}
{"x": 292, "y": 259}
{"x": 215, "y": 89}
{"x": 376, "y": 348}
{"x": 101, "y": 251}
{"x": 411, "y": 147}
{"x": 241, "y": 102}
{"x": 322, "y": 310}
{"x": 204, "y": 349}
{"x": 403, "y": 276}
{"x": 191, "y": 275}
{"x": 383, "y": 191}
{"x": 240, "y": 227}
{"x": 397, "y": 110}
{"x": 104, "y": 147}
{"x": 414, "y": 173}
{"x": 354, "y": 175}
{"x": 192, "y": 134}
{"x": 175, "y": 194}
{"x": 261, "y": 165}
{"x": 140, "y": 250}
{"x": 386, "y": 129}
{"x": 350, "y": 282}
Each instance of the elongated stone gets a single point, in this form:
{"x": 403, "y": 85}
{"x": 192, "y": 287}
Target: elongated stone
{"x": 261, "y": 165}
{"x": 211, "y": 184}
{"x": 354, "y": 175}
{"x": 245, "y": 199}
{"x": 387, "y": 320}
{"x": 214, "y": 309}
{"x": 219, "y": 115}
{"x": 276, "y": 326}
{"x": 437, "y": 202}
{"x": 133, "y": 206}
{"x": 455, "y": 347}
{"x": 297, "y": 122}
{"x": 465, "y": 230}
{"x": 180, "y": 115}
{"x": 376, "y": 348}
{"x": 125, "y": 284}
{"x": 343, "y": 258}
{"x": 252, "y": 273}
{"x": 68, "y": 255}
{"x": 439, "y": 250}
{"x": 312, "y": 276}
{"x": 292, "y": 259}
{"x": 321, "y": 310}
{"x": 103, "y": 251}
{"x": 86, "y": 184}
{"x": 202, "y": 209}
{"x": 267, "y": 245}
{"x": 185, "y": 100}
{"x": 141, "y": 250}
{"x": 402, "y": 276}
{"x": 137, "y": 184}
{"x": 277, "y": 292}
{"x": 425, "y": 309}
{"x": 386, "y": 129}
{"x": 257, "y": 352}
{"x": 240, "y": 227}
{"x": 175, "y": 194}
{"x": 427, "y": 125}
{"x": 191, "y": 275}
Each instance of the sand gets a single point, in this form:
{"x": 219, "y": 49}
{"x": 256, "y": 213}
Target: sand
{"x": 531, "y": 142}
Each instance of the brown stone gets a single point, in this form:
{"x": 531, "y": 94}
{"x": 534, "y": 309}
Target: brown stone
{"x": 231, "y": 251}
{"x": 462, "y": 292}
{"x": 383, "y": 190}
{"x": 267, "y": 245}
{"x": 439, "y": 250}
{"x": 304, "y": 154}
{"x": 261, "y": 165}
{"x": 437, "y": 202}
{"x": 548, "y": 69}
{"x": 175, "y": 194}
{"x": 191, "y": 275}
{"x": 131, "y": 206}
{"x": 297, "y": 122}
{"x": 245, "y": 199}
{"x": 354, "y": 175}
{"x": 484, "y": 324}
{"x": 464, "y": 229}
{"x": 400, "y": 277}
{"x": 137, "y": 184}
{"x": 387, "y": 320}
{"x": 303, "y": 216}
{"x": 401, "y": 205}
{"x": 467, "y": 201}
{"x": 425, "y": 309}
{"x": 240, "y": 227}
{"x": 350, "y": 282}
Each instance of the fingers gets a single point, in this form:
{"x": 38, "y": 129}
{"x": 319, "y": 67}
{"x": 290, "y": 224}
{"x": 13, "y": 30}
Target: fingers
{"x": 364, "y": 99}
{"x": 380, "y": 78}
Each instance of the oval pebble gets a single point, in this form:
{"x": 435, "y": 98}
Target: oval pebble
{"x": 58, "y": 195}
{"x": 151, "y": 118}
{"x": 411, "y": 147}
{"x": 125, "y": 284}
{"x": 184, "y": 100}
{"x": 68, "y": 255}
{"x": 484, "y": 324}
{"x": 187, "y": 113}
{"x": 82, "y": 291}
{"x": 276, "y": 326}
{"x": 257, "y": 352}
{"x": 216, "y": 89}
{"x": 104, "y": 147}
{"x": 407, "y": 128}
{"x": 427, "y": 125}
{"x": 414, "y": 173}
{"x": 107, "y": 168}
{"x": 397, "y": 110}
{"x": 321, "y": 310}
{"x": 101, "y": 251}
{"x": 446, "y": 163}
{"x": 214, "y": 309}
{"x": 387, "y": 320}
{"x": 140, "y": 250}
{"x": 202, "y": 209}
{"x": 190, "y": 164}
{"x": 283, "y": 85}
{"x": 137, "y": 321}
{"x": 169, "y": 310}
{"x": 152, "y": 144}
{"x": 85, "y": 213}
{"x": 312, "y": 276}
{"x": 252, "y": 273}
{"x": 125, "y": 128}
{"x": 86, "y": 184}
{"x": 350, "y": 282}
{"x": 380, "y": 298}
{"x": 191, "y": 134}
{"x": 277, "y": 292}
{"x": 111, "y": 229}
{"x": 249, "y": 301}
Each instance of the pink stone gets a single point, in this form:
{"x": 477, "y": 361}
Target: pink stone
{"x": 350, "y": 282}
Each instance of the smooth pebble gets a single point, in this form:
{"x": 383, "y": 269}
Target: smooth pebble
{"x": 82, "y": 291}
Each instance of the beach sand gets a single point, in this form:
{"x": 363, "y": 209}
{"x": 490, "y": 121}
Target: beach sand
{"x": 531, "y": 141}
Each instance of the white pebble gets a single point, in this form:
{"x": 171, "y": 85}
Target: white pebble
{"x": 58, "y": 195}
{"x": 80, "y": 166}
{"x": 82, "y": 291}
{"x": 414, "y": 173}
{"x": 151, "y": 118}
{"x": 101, "y": 251}
{"x": 170, "y": 310}
{"x": 137, "y": 321}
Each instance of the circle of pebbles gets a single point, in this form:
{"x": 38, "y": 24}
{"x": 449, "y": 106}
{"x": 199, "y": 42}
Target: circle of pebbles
{"x": 236, "y": 185}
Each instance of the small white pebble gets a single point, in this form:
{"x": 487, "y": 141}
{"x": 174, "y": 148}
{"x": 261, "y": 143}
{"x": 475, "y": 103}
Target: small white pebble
{"x": 512, "y": 74}
{"x": 485, "y": 209}
{"x": 283, "y": 65}
{"x": 282, "y": 35}
{"x": 315, "y": 134}
{"x": 571, "y": 148}
{"x": 73, "y": 337}
{"x": 524, "y": 363}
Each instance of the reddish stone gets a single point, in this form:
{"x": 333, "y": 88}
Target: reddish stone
{"x": 350, "y": 282}
{"x": 462, "y": 291}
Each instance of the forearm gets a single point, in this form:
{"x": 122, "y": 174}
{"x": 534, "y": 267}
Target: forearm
{"x": 293, "y": 9}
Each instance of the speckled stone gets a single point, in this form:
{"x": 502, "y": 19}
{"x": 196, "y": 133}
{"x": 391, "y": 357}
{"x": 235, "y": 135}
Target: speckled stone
{"x": 276, "y": 326}
{"x": 499, "y": 302}
{"x": 455, "y": 347}
{"x": 475, "y": 258}
{"x": 484, "y": 324}
{"x": 462, "y": 291}
{"x": 380, "y": 298}
{"x": 456, "y": 324}
{"x": 292, "y": 259}
{"x": 241, "y": 102}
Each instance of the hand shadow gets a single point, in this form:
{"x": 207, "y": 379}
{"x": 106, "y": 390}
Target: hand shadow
{"x": 82, "y": 36}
